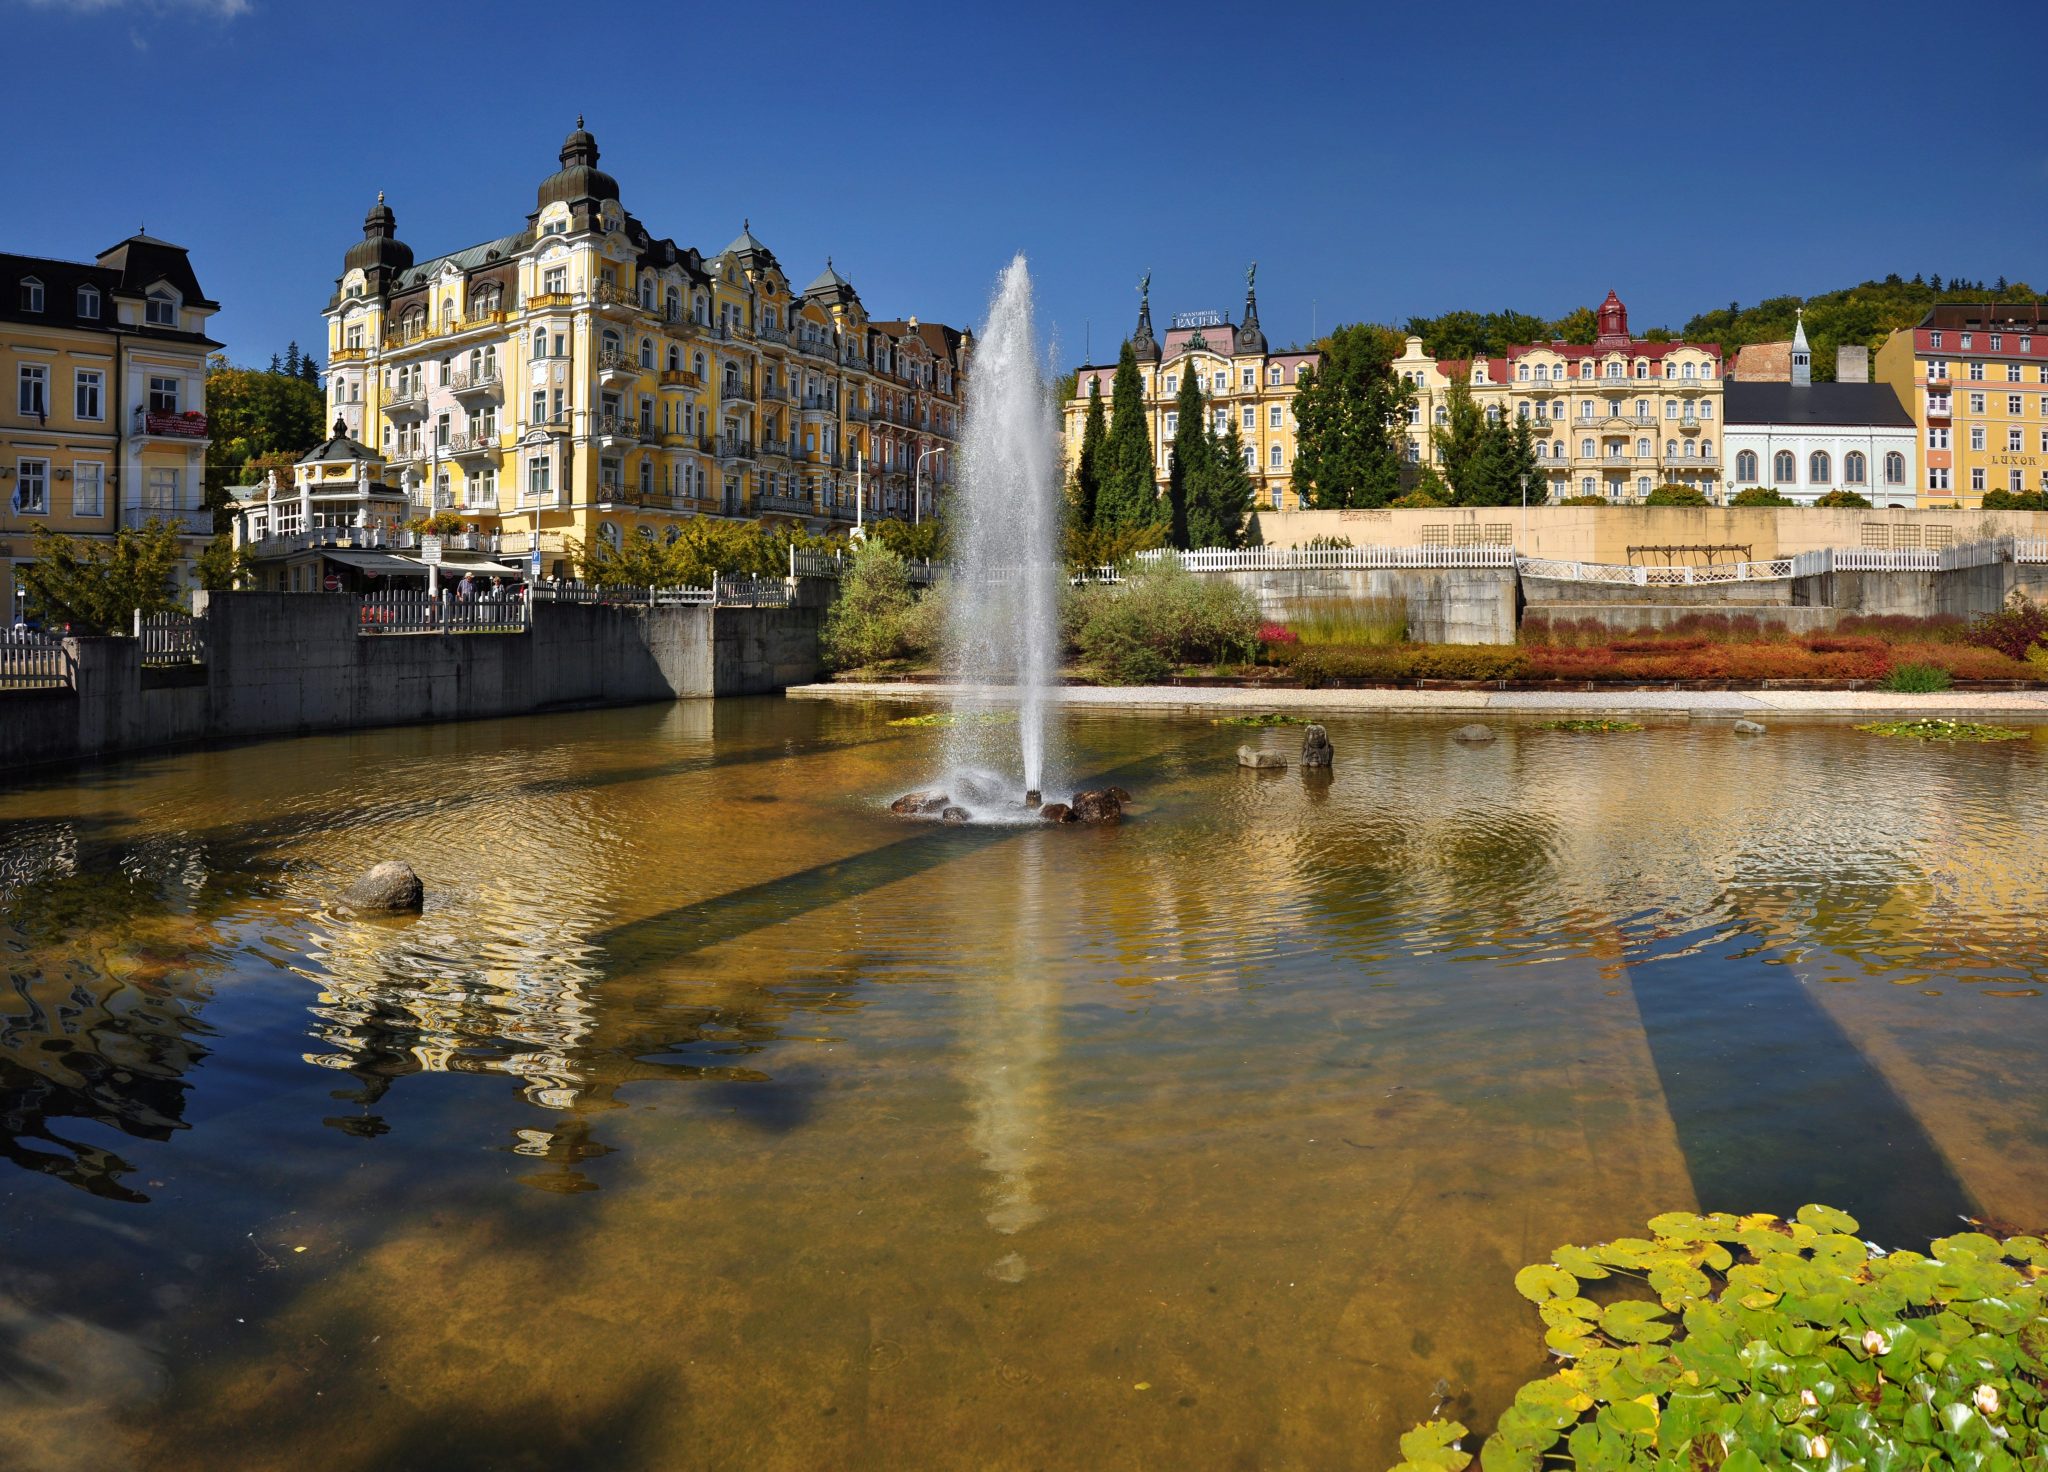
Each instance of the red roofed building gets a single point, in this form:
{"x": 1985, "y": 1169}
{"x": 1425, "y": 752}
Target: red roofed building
{"x": 1614, "y": 418}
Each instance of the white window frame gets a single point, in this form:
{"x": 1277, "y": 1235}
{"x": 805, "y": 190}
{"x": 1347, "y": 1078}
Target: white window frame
{"x": 36, "y": 377}
{"x": 88, "y": 488}
{"x": 82, "y": 380}
{"x": 32, "y": 470}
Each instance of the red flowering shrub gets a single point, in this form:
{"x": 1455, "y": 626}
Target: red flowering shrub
{"x": 2013, "y": 630}
{"x": 1277, "y": 634}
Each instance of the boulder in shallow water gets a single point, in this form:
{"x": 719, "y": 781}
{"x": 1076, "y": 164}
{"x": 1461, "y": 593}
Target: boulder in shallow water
{"x": 1748, "y": 727}
{"x": 1473, "y": 735}
{"x": 1097, "y": 807}
{"x": 955, "y": 815}
{"x": 1057, "y": 812}
{"x": 1261, "y": 761}
{"x": 1123, "y": 798}
{"x": 389, "y": 888}
{"x": 913, "y": 803}
{"x": 1316, "y": 750}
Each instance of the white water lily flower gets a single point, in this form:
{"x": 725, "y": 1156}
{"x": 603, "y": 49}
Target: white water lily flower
{"x": 1808, "y": 1399}
{"x": 1817, "y": 1449}
{"x": 1875, "y": 1343}
{"x": 1987, "y": 1399}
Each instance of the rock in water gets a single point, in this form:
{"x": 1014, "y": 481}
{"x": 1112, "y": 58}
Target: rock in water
{"x": 1097, "y": 807}
{"x": 1056, "y": 812}
{"x": 391, "y": 888}
{"x": 955, "y": 815}
{"x": 1261, "y": 761}
{"x": 1123, "y": 798}
{"x": 1316, "y": 750}
{"x": 1474, "y": 734}
{"x": 1749, "y": 728}
{"x": 912, "y": 803}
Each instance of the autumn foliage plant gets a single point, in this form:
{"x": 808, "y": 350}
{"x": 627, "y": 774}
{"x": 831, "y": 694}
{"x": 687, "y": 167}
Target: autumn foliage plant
{"x": 1747, "y": 1343}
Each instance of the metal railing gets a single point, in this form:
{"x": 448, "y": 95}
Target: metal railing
{"x": 169, "y": 638}
{"x": 751, "y": 592}
{"x": 619, "y": 596}
{"x": 414, "y": 611}
{"x": 30, "y": 660}
{"x": 1286, "y": 559}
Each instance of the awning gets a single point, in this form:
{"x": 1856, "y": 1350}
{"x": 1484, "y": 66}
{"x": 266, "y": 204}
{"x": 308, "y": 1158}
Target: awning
{"x": 454, "y": 565}
{"x": 377, "y": 562}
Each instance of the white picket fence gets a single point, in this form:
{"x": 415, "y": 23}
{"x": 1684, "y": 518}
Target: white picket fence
{"x": 2030, "y": 549}
{"x": 579, "y": 593}
{"x": 752, "y": 592}
{"x": 32, "y": 661}
{"x": 169, "y": 638}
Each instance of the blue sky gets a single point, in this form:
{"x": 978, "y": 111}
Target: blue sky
{"x": 1377, "y": 161}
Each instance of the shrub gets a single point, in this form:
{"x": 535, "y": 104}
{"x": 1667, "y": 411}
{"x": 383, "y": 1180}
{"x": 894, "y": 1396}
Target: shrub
{"x": 1844, "y": 500}
{"x": 1760, "y": 496}
{"x": 1277, "y": 634}
{"x": 1919, "y": 679}
{"x": 1767, "y": 1344}
{"x": 1584, "y": 501}
{"x": 1166, "y": 616}
{"x": 2014, "y": 501}
{"x": 2013, "y": 630}
{"x": 1676, "y": 495}
{"x": 869, "y": 622}
{"x": 1350, "y": 621}
{"x": 1315, "y": 667}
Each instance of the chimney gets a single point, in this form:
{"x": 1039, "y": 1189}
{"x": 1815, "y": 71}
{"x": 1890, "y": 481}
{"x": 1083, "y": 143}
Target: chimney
{"x": 1852, "y": 364}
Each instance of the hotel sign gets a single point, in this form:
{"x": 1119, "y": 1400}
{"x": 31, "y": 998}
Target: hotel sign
{"x": 1197, "y": 319}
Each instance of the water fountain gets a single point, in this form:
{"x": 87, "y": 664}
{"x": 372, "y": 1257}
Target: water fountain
{"x": 1002, "y": 611}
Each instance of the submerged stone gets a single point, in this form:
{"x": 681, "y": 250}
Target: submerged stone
{"x": 955, "y": 815}
{"x": 1316, "y": 750}
{"x": 1474, "y": 734}
{"x": 1747, "y": 727}
{"x": 1097, "y": 807}
{"x": 1261, "y": 761}
{"x": 913, "y": 803}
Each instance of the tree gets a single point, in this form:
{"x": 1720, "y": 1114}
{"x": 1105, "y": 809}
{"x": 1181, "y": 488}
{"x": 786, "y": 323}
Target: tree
{"x": 223, "y": 565}
{"x": 1843, "y": 499}
{"x": 98, "y": 586}
{"x": 1670, "y": 494}
{"x": 1459, "y": 439}
{"x": 275, "y": 365}
{"x": 1580, "y": 325}
{"x": 291, "y": 359}
{"x": 868, "y": 622}
{"x": 309, "y": 370}
{"x": 1088, "y": 469}
{"x": 1348, "y": 413}
{"x": 1191, "y": 450}
{"x": 253, "y": 415}
{"x": 1127, "y": 494}
{"x": 1221, "y": 496}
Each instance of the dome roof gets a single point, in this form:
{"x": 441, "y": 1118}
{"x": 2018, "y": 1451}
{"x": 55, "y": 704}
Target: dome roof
{"x": 380, "y": 245}
{"x": 579, "y": 177}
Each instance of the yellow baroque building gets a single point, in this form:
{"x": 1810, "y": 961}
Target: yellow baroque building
{"x": 582, "y": 380}
{"x": 1974, "y": 376}
{"x": 105, "y": 415}
{"x": 1614, "y": 418}
{"x": 1242, "y": 380}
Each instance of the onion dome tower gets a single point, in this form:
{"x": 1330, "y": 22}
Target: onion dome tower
{"x": 380, "y": 255}
{"x": 579, "y": 183}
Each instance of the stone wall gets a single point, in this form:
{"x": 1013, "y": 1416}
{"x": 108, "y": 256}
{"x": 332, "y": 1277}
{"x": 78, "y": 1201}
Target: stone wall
{"x": 1443, "y": 605}
{"x": 293, "y": 663}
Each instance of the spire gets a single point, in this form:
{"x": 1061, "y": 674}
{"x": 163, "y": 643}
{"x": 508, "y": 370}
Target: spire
{"x": 1802, "y": 355}
{"x": 1143, "y": 343}
{"x": 1250, "y": 339}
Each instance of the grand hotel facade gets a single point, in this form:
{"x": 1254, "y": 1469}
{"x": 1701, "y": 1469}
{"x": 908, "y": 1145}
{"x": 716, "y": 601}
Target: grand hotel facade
{"x": 582, "y": 379}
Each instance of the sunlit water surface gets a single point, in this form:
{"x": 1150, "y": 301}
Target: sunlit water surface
{"x": 711, "y": 1117}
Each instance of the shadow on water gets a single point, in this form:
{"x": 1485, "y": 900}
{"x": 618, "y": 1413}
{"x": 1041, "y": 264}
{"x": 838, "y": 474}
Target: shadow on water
{"x": 1776, "y": 1106}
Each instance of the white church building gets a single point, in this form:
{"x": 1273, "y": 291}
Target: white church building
{"x": 1804, "y": 439}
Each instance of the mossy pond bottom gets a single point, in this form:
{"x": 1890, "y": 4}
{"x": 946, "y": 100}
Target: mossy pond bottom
{"x": 712, "y": 1117}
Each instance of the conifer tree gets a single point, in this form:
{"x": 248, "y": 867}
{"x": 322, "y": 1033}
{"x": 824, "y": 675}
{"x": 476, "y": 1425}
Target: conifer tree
{"x": 1088, "y": 470}
{"x": 291, "y": 359}
{"x": 1191, "y": 451}
{"x": 1347, "y": 412}
{"x": 275, "y": 365}
{"x": 1221, "y": 497}
{"x": 1126, "y": 494}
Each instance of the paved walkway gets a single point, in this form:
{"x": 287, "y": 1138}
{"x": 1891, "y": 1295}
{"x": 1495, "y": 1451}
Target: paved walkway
{"x": 1689, "y": 704}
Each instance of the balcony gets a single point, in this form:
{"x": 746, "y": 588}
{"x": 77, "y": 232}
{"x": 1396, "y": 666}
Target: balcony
{"x": 347, "y": 355}
{"x": 818, "y": 347}
{"x": 187, "y": 521}
{"x": 1938, "y": 377}
{"x": 735, "y": 392}
{"x": 541, "y": 301}
{"x": 735, "y": 447}
{"x": 775, "y": 393}
{"x": 799, "y": 505}
{"x": 1689, "y": 425}
{"x": 466, "y": 446}
{"x": 617, "y": 366}
{"x": 775, "y": 445}
{"x": 617, "y": 301}
{"x": 483, "y": 383}
{"x": 408, "y": 401}
{"x": 820, "y": 404}
{"x": 162, "y": 424}
{"x": 621, "y": 431}
{"x": 775, "y": 335}
{"x": 680, "y": 378}
{"x": 857, "y": 414}
{"x": 1939, "y": 408}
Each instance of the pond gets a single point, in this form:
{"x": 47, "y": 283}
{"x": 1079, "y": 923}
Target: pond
{"x": 710, "y": 1116}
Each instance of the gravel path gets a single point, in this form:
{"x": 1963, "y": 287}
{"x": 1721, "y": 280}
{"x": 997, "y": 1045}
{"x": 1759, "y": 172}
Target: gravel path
{"x": 1705, "y": 704}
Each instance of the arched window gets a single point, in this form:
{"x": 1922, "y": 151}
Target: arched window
{"x": 1745, "y": 466}
{"x": 1275, "y": 457}
{"x": 540, "y": 342}
{"x": 1819, "y": 469}
{"x": 675, "y": 358}
{"x": 1643, "y": 448}
{"x": 1706, "y": 449}
{"x": 1585, "y": 449}
{"x": 89, "y": 303}
{"x": 675, "y": 310}
{"x": 1784, "y": 469}
{"x": 608, "y": 533}
{"x": 1522, "y": 372}
{"x": 1443, "y": 415}
{"x": 1894, "y": 469}
{"x": 646, "y": 352}
{"x": 1854, "y": 468}
{"x": 698, "y": 367}
{"x": 610, "y": 343}
{"x": 1687, "y": 372}
{"x": 1670, "y": 449}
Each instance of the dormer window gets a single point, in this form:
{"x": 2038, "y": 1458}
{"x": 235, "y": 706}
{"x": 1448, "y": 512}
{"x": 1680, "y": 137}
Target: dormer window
{"x": 89, "y": 303}
{"x": 161, "y": 309}
{"x": 31, "y": 294}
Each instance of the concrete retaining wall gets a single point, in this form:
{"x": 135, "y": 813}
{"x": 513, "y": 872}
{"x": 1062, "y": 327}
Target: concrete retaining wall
{"x": 1702, "y": 596}
{"x": 1443, "y": 605}
{"x": 1622, "y": 618}
{"x": 293, "y": 663}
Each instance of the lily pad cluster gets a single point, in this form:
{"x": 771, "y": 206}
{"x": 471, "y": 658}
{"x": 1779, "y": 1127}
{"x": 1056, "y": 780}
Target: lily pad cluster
{"x": 1266, "y": 718}
{"x": 1938, "y": 730}
{"x": 958, "y": 718}
{"x": 1774, "y": 1344}
{"x": 1596, "y": 727}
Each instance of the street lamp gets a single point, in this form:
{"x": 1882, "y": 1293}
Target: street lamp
{"x": 917, "y": 491}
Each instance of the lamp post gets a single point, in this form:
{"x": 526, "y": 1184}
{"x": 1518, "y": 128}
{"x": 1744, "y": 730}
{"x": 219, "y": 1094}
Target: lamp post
{"x": 917, "y": 490}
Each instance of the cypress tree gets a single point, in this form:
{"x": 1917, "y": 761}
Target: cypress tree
{"x": 1190, "y": 454}
{"x": 1221, "y": 496}
{"x": 1088, "y": 470}
{"x": 1125, "y": 489}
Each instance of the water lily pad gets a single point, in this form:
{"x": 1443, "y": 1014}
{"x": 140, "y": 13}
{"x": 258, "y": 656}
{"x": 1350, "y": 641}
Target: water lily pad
{"x": 1541, "y": 1281}
{"x": 1433, "y": 1444}
{"x": 1634, "y": 1322}
{"x": 1826, "y": 1219}
{"x": 1578, "y": 1261}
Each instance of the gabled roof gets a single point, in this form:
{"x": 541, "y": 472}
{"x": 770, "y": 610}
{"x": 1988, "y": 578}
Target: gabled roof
{"x": 829, "y": 280}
